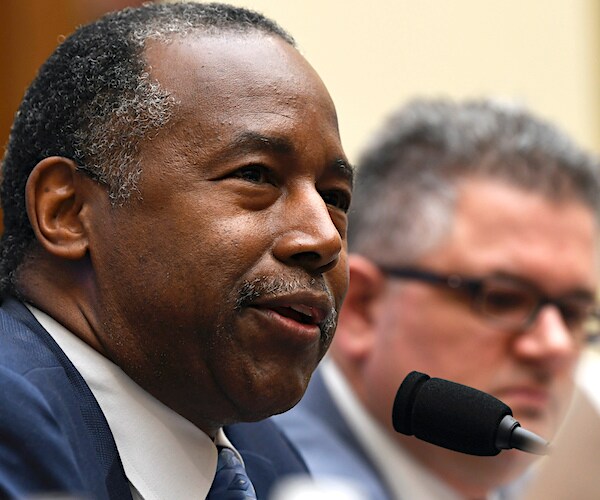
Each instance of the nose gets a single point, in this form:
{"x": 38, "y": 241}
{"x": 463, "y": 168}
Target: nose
{"x": 308, "y": 236}
{"x": 548, "y": 340}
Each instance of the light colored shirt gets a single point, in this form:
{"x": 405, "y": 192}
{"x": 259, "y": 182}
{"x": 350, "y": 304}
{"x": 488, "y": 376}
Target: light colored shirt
{"x": 164, "y": 455}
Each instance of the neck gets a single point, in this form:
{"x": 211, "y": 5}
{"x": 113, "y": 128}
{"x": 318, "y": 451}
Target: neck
{"x": 63, "y": 289}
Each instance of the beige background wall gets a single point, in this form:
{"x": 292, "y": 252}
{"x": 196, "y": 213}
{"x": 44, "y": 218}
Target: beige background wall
{"x": 376, "y": 54}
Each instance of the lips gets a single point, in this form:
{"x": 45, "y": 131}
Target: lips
{"x": 526, "y": 398}
{"x": 299, "y": 310}
{"x": 301, "y": 313}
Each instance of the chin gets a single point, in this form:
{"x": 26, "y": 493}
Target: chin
{"x": 256, "y": 413}
{"x": 272, "y": 400}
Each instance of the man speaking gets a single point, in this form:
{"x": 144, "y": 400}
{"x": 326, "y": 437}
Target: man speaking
{"x": 174, "y": 255}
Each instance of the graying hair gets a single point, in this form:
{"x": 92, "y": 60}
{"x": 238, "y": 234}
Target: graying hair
{"x": 405, "y": 195}
{"x": 115, "y": 128}
{"x": 93, "y": 101}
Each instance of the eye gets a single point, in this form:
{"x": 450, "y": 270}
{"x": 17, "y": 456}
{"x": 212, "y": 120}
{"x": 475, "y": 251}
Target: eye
{"x": 257, "y": 174}
{"x": 575, "y": 313}
{"x": 505, "y": 300}
{"x": 337, "y": 199}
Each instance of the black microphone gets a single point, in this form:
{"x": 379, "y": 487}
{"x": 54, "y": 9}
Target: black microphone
{"x": 459, "y": 418}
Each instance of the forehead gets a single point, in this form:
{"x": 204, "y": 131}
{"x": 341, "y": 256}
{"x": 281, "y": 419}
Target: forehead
{"x": 500, "y": 228}
{"x": 233, "y": 85}
{"x": 225, "y": 72}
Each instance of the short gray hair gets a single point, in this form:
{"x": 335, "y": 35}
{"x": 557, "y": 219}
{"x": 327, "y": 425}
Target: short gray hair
{"x": 405, "y": 195}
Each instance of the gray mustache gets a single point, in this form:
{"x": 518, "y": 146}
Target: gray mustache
{"x": 269, "y": 286}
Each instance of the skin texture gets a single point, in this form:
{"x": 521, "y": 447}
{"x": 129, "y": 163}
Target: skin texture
{"x": 241, "y": 217}
{"x": 390, "y": 327}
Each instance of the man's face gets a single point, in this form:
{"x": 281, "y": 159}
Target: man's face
{"x": 501, "y": 230}
{"x": 218, "y": 291}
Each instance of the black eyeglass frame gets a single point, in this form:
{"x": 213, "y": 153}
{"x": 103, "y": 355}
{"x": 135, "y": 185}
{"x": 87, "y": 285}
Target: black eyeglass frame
{"x": 474, "y": 286}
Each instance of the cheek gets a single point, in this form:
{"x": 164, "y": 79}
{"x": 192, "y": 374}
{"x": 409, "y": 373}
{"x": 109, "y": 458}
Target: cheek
{"x": 215, "y": 250}
{"x": 437, "y": 338}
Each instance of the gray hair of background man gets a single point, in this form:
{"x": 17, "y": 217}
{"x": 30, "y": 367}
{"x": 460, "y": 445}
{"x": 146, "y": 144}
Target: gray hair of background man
{"x": 93, "y": 101}
{"x": 404, "y": 199}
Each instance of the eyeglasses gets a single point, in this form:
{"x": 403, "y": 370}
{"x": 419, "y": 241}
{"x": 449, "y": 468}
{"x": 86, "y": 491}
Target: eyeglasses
{"x": 511, "y": 303}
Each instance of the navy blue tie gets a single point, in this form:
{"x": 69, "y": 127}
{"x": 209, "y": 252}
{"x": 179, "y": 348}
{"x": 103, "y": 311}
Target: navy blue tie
{"x": 231, "y": 481}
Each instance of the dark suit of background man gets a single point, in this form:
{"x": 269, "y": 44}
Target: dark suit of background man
{"x": 474, "y": 257}
{"x": 174, "y": 197}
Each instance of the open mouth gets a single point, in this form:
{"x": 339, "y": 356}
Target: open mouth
{"x": 296, "y": 313}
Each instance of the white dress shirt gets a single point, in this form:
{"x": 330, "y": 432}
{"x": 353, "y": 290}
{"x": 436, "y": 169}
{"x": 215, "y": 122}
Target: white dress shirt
{"x": 164, "y": 455}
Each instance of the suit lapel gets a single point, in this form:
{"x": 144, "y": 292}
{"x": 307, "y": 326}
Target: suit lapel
{"x": 107, "y": 455}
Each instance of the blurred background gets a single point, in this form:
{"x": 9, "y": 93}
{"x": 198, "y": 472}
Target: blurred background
{"x": 375, "y": 55}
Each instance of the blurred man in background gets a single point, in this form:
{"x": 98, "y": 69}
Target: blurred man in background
{"x": 473, "y": 240}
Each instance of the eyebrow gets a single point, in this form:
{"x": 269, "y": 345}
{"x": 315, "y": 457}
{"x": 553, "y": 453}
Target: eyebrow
{"x": 248, "y": 142}
{"x": 346, "y": 169}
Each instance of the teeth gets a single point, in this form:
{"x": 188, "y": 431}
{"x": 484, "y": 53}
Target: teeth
{"x": 306, "y": 310}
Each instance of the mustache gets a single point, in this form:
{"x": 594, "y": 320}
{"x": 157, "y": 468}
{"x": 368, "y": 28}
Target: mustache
{"x": 269, "y": 286}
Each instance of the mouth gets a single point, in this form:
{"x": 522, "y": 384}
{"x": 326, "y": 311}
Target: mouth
{"x": 297, "y": 310}
{"x": 304, "y": 316}
{"x": 527, "y": 400}
{"x": 301, "y": 313}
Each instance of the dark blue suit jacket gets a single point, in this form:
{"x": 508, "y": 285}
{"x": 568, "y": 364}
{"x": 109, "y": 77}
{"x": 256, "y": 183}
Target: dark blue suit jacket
{"x": 54, "y": 437}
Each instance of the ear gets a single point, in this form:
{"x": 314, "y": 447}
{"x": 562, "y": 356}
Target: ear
{"x": 358, "y": 317}
{"x": 54, "y": 206}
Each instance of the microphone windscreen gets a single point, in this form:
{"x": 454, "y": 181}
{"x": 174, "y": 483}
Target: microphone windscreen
{"x": 447, "y": 414}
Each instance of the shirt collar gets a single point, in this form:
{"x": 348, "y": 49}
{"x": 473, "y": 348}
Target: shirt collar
{"x": 164, "y": 455}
